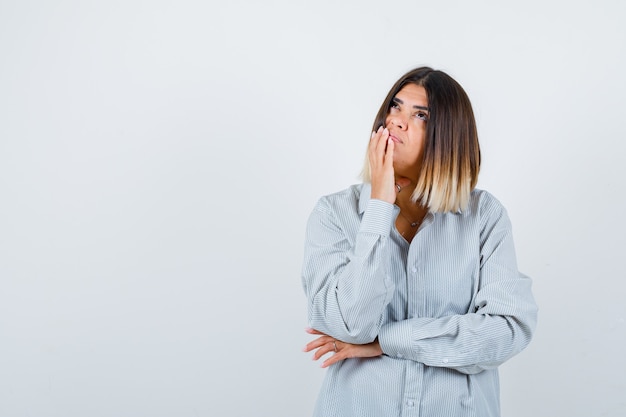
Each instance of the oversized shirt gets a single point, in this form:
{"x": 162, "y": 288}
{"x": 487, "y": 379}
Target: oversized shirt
{"x": 447, "y": 309}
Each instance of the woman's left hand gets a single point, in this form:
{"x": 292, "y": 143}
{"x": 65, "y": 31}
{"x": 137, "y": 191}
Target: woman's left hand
{"x": 325, "y": 344}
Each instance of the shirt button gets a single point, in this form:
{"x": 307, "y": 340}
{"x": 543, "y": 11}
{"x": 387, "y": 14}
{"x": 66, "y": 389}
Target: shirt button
{"x": 399, "y": 355}
{"x": 414, "y": 269}
{"x": 410, "y": 403}
{"x": 445, "y": 360}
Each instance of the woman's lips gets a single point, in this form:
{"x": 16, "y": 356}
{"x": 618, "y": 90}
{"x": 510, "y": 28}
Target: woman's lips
{"x": 395, "y": 139}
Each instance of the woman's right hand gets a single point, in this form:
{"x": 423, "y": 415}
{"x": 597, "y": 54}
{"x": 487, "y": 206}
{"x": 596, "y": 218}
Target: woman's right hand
{"x": 380, "y": 156}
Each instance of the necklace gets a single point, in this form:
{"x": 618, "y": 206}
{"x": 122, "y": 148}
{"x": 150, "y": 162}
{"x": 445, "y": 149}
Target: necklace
{"x": 413, "y": 224}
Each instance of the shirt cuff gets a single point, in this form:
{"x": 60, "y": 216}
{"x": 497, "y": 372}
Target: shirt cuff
{"x": 378, "y": 217}
{"x": 395, "y": 339}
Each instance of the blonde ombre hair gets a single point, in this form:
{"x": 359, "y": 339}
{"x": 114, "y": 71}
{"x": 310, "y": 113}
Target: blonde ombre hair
{"x": 451, "y": 158}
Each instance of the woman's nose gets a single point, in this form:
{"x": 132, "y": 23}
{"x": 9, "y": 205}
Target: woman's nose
{"x": 399, "y": 122}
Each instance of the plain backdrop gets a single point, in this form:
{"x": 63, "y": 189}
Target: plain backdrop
{"x": 159, "y": 160}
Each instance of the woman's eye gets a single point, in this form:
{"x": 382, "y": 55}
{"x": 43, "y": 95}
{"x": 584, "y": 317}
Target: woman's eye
{"x": 422, "y": 116}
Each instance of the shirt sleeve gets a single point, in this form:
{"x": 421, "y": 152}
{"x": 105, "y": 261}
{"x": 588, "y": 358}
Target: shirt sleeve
{"x": 344, "y": 275}
{"x": 500, "y": 324}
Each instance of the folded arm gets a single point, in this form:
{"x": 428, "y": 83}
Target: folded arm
{"x": 500, "y": 323}
{"x": 345, "y": 277}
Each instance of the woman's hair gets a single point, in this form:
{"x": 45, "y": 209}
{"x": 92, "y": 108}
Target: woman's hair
{"x": 451, "y": 158}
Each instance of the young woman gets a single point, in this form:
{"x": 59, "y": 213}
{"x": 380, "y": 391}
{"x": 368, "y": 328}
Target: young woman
{"x": 411, "y": 277}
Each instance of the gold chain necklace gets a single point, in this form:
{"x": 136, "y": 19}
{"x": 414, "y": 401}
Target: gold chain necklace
{"x": 413, "y": 224}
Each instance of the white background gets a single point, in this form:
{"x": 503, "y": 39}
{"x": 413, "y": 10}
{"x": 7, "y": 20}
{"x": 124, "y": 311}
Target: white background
{"x": 159, "y": 159}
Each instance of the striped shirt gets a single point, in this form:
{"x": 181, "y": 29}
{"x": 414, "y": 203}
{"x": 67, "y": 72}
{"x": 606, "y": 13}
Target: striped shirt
{"x": 447, "y": 309}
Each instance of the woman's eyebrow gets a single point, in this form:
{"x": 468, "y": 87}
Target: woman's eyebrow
{"x": 397, "y": 100}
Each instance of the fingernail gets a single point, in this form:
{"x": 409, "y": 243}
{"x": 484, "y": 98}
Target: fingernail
{"x": 380, "y": 128}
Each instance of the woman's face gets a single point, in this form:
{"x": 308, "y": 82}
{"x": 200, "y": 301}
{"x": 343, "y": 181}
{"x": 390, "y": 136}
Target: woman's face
{"x": 406, "y": 122}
